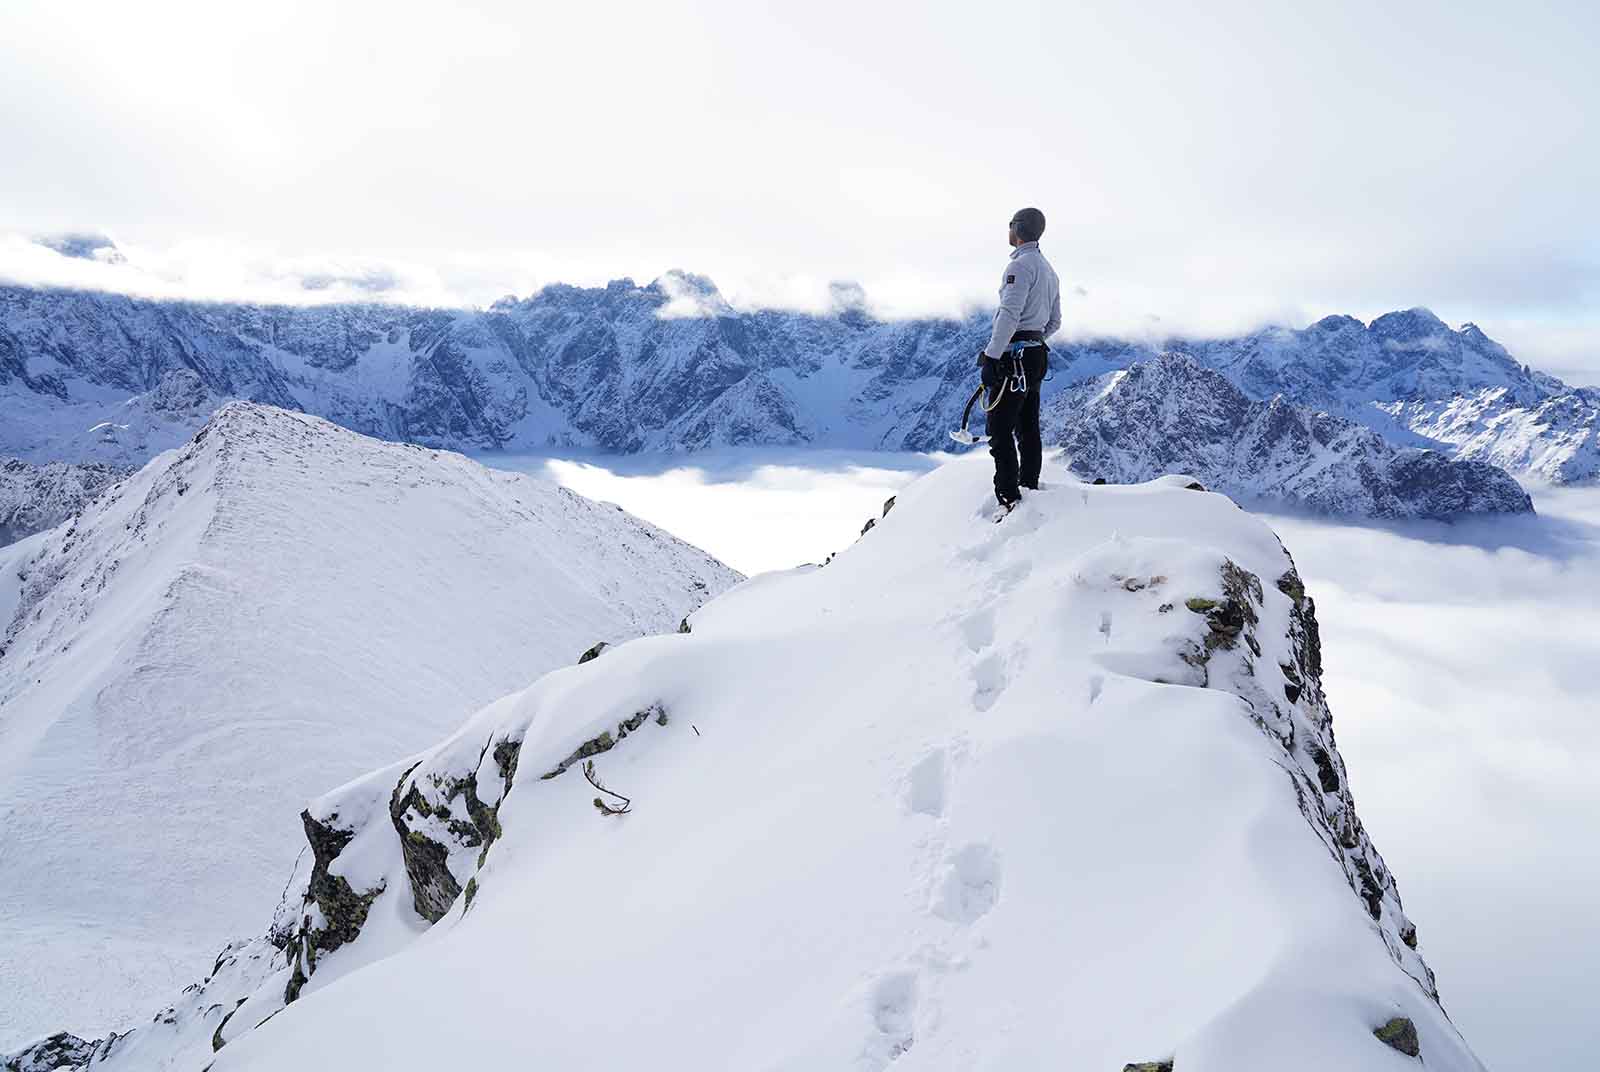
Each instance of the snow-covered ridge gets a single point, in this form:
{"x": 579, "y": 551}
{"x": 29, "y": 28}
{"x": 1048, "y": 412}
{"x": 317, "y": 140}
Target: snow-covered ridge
{"x": 1061, "y": 791}
{"x": 670, "y": 366}
{"x": 269, "y": 610}
{"x": 1174, "y": 415}
{"x": 38, "y": 497}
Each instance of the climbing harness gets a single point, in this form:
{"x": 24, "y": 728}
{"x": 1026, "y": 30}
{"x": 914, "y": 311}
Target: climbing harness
{"x": 1015, "y": 381}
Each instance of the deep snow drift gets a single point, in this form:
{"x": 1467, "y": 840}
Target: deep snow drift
{"x": 1060, "y": 792}
{"x": 266, "y": 612}
{"x": 1173, "y": 414}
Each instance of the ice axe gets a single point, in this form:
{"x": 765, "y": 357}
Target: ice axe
{"x": 961, "y": 435}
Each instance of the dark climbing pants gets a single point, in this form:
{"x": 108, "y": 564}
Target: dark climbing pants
{"x": 1013, "y": 425}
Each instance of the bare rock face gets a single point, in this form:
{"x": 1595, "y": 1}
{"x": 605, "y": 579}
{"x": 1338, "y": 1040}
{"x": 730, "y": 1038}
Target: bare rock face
{"x": 1400, "y": 1034}
{"x": 60, "y": 1051}
{"x": 34, "y": 498}
{"x": 1287, "y": 704}
{"x": 1174, "y": 415}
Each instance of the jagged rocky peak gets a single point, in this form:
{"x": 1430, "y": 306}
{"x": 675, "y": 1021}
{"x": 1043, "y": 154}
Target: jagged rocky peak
{"x": 689, "y": 294}
{"x": 1071, "y": 773}
{"x": 38, "y": 497}
{"x": 1174, "y": 415}
{"x": 1412, "y": 324}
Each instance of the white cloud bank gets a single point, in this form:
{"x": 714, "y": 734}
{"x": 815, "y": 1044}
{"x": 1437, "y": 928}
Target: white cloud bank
{"x": 1212, "y": 167}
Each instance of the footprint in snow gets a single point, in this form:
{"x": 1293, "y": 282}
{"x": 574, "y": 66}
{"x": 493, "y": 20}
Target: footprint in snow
{"x": 989, "y": 681}
{"x": 971, "y": 884}
{"x": 894, "y": 1011}
{"x": 978, "y": 629}
{"x": 927, "y": 784}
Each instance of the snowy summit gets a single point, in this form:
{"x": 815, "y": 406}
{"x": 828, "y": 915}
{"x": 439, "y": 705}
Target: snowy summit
{"x": 272, "y": 609}
{"x": 1056, "y": 793}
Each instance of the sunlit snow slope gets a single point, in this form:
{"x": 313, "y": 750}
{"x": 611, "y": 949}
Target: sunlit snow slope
{"x": 1056, "y": 793}
{"x": 250, "y": 619}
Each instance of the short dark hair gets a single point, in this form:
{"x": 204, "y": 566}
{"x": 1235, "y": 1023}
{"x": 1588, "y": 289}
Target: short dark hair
{"x": 1029, "y": 223}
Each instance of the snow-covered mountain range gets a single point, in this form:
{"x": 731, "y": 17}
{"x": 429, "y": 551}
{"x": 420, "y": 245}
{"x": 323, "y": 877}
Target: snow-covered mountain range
{"x": 1172, "y": 414}
{"x": 38, "y": 497}
{"x": 1062, "y": 792}
{"x": 671, "y": 366}
{"x": 266, "y": 612}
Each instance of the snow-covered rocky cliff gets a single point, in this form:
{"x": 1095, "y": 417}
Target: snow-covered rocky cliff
{"x": 1172, "y": 414}
{"x": 1061, "y": 792}
{"x": 267, "y": 611}
{"x": 38, "y": 497}
{"x": 672, "y": 366}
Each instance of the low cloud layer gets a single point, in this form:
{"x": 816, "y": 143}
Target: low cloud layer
{"x": 1202, "y": 170}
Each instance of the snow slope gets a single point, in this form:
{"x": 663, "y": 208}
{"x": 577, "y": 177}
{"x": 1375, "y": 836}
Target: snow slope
{"x": 671, "y": 366}
{"x": 1172, "y": 414}
{"x": 268, "y": 611}
{"x": 1057, "y": 793}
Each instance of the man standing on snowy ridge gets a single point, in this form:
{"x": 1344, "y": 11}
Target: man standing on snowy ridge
{"x": 1016, "y": 357}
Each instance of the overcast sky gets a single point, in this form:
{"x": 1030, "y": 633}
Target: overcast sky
{"x": 1211, "y": 165}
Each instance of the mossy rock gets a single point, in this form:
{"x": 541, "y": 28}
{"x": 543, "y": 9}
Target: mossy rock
{"x": 593, "y": 653}
{"x": 1200, "y": 605}
{"x": 1290, "y": 585}
{"x": 1400, "y": 1034}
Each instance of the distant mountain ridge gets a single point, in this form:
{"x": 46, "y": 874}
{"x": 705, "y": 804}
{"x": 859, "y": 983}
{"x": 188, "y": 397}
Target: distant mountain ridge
{"x": 671, "y": 366}
{"x": 1172, "y": 414}
{"x": 38, "y": 497}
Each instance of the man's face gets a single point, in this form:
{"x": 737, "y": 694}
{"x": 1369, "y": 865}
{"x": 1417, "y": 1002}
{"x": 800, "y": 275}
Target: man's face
{"x": 1011, "y": 234}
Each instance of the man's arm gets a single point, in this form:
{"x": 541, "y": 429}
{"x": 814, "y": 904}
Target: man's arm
{"x": 1054, "y": 323}
{"x": 1019, "y": 280}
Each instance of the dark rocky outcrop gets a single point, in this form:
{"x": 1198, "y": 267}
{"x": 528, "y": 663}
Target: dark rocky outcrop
{"x": 1401, "y": 1034}
{"x": 343, "y": 909}
{"x": 1297, "y": 717}
{"x": 605, "y": 742}
{"x": 59, "y": 1051}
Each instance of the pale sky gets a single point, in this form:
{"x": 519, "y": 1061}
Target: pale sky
{"x": 1211, "y": 166}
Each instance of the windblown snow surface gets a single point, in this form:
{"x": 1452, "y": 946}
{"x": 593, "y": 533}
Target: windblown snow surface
{"x": 1056, "y": 793}
{"x": 263, "y": 613}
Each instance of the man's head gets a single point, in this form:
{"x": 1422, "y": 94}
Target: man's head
{"x": 1027, "y": 224}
